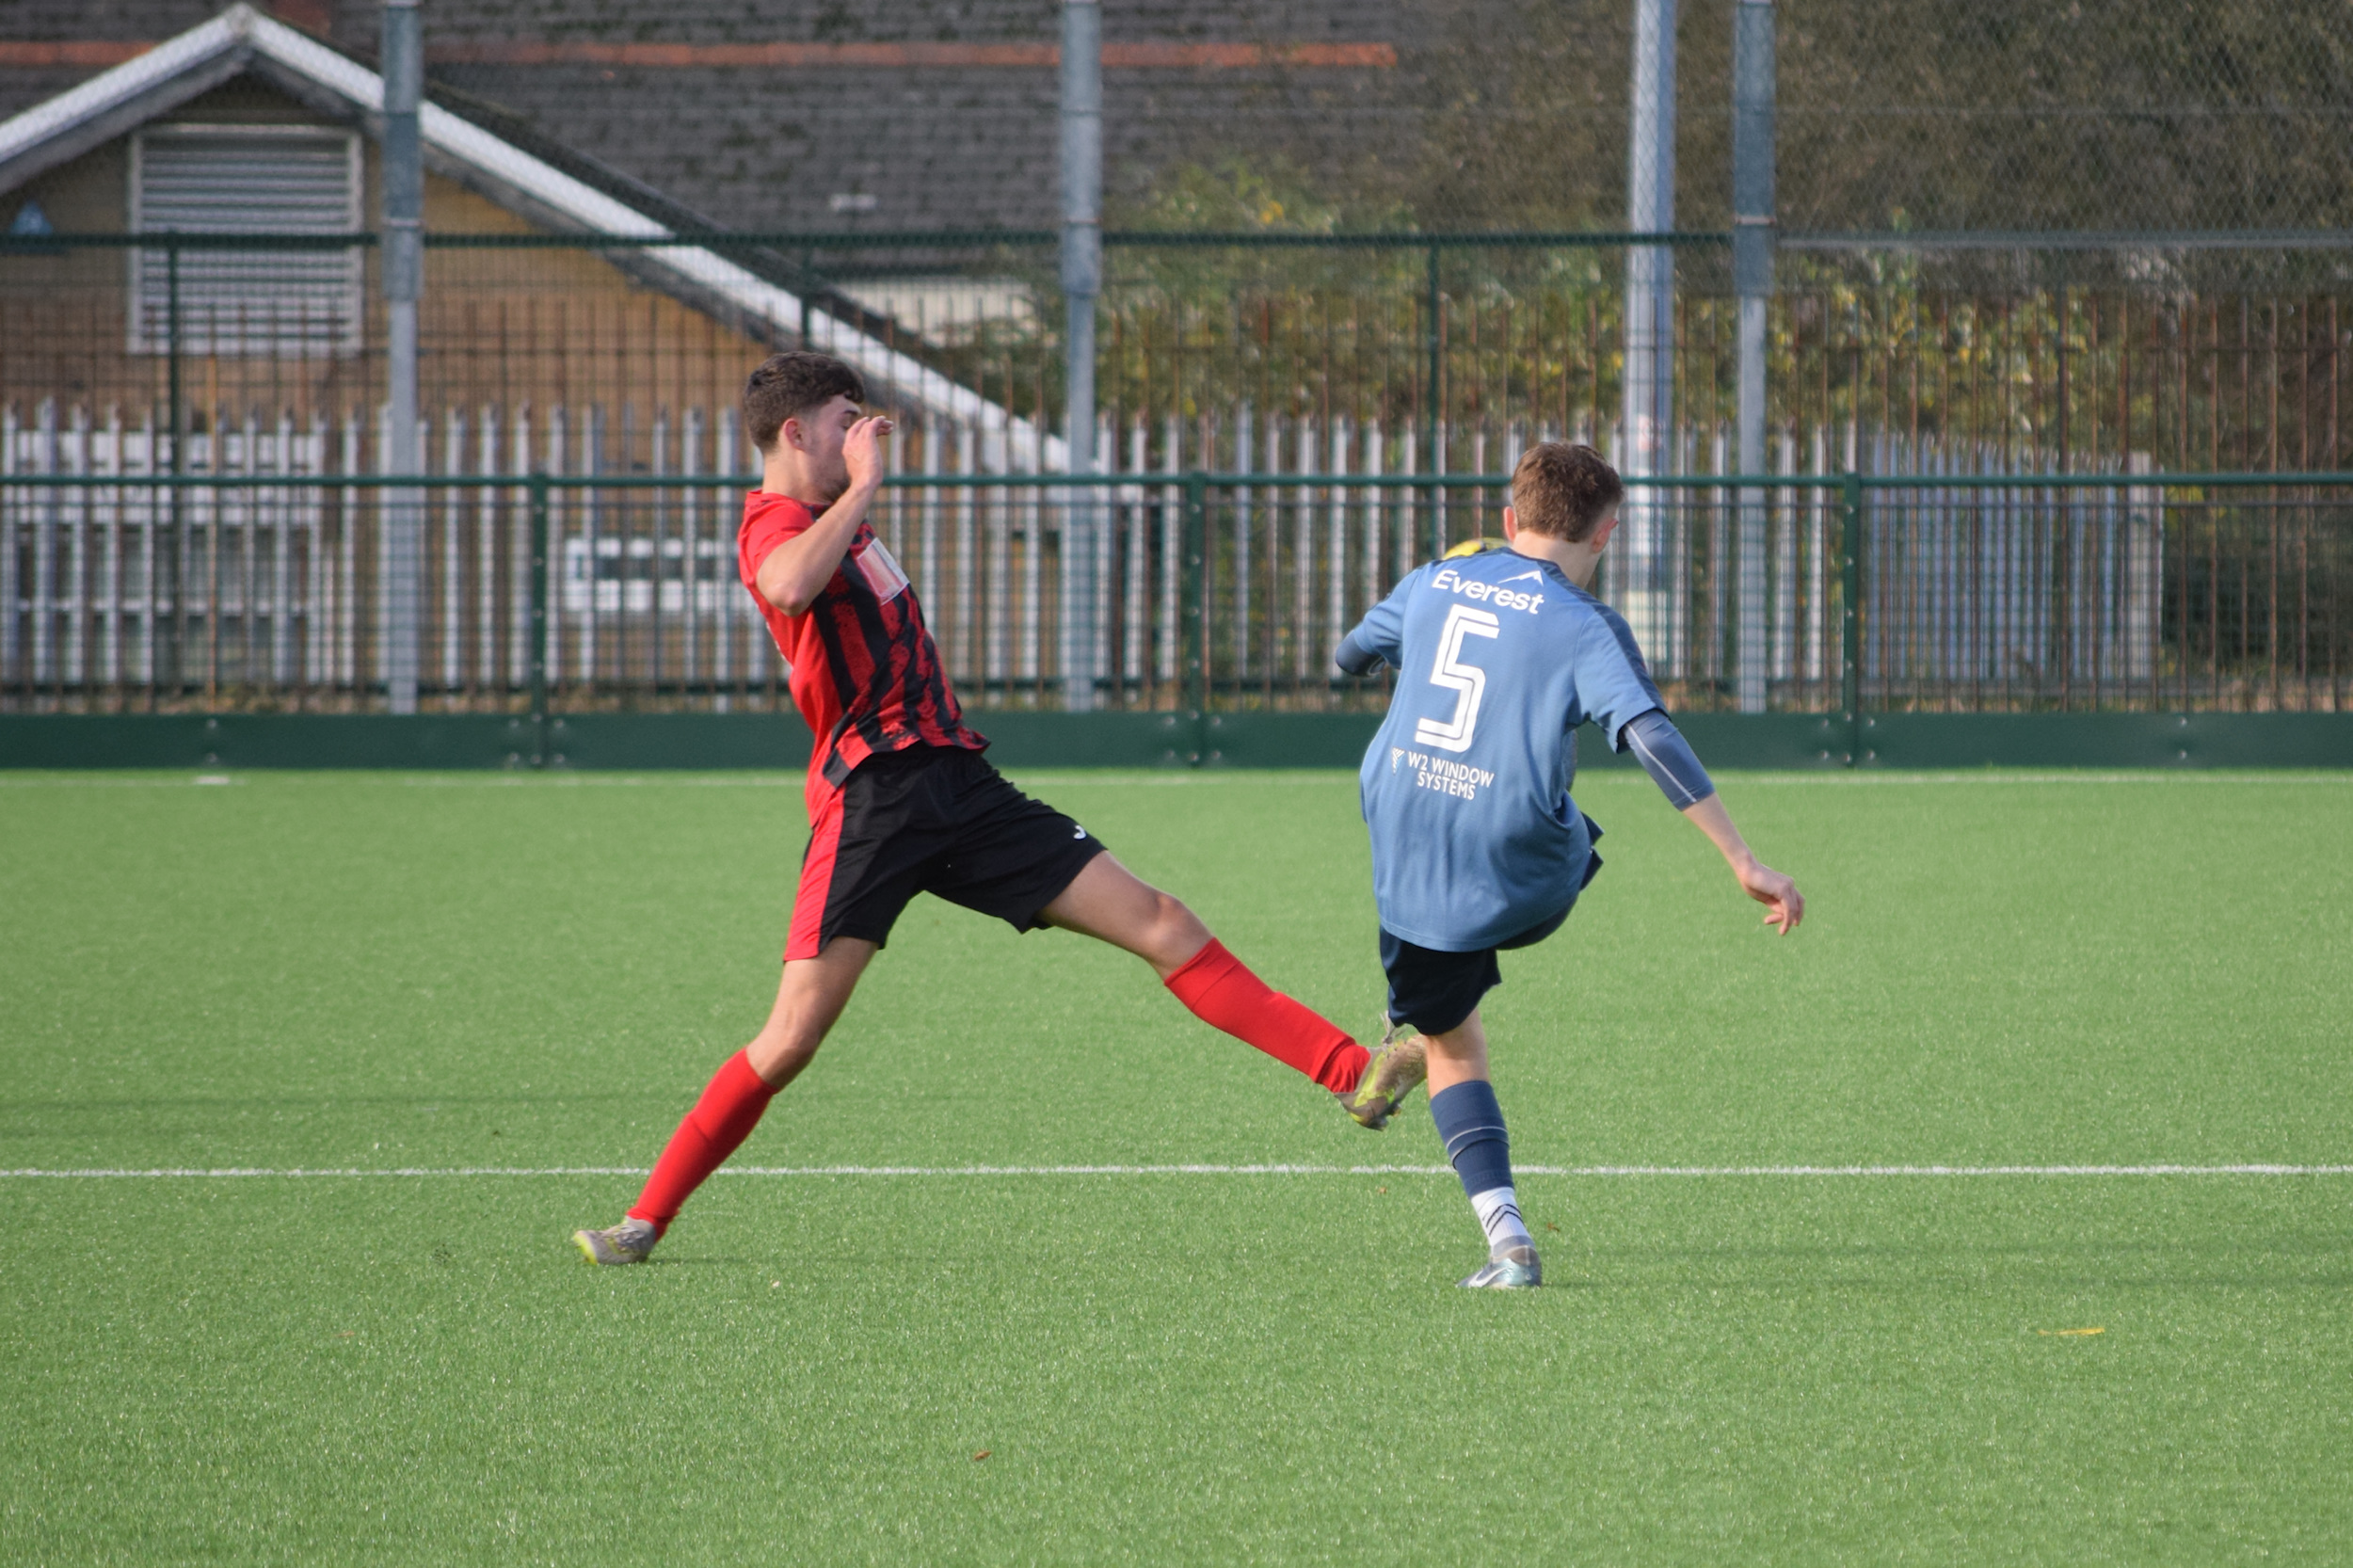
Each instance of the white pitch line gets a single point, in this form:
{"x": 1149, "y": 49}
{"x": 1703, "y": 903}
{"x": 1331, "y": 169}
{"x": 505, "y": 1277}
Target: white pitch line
{"x": 315, "y": 1173}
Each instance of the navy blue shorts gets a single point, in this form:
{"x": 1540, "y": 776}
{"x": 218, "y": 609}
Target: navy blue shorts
{"x": 1435, "y": 991}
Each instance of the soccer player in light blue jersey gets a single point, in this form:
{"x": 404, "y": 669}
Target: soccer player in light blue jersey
{"x": 1476, "y": 844}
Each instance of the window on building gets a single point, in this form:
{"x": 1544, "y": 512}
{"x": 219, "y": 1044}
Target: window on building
{"x": 258, "y": 180}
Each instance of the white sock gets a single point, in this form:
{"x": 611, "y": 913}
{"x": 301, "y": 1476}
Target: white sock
{"x": 1498, "y": 1211}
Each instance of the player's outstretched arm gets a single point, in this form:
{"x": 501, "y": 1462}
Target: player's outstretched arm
{"x": 1666, "y": 755}
{"x": 1784, "y": 907}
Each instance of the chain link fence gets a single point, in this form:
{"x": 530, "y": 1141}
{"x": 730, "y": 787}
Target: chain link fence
{"x": 1412, "y": 354}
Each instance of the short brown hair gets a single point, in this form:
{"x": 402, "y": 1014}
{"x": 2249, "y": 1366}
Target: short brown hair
{"x": 786, "y": 385}
{"x": 1561, "y": 492}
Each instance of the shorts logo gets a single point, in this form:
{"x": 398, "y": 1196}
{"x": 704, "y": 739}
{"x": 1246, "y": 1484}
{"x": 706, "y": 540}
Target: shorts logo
{"x": 1076, "y": 832}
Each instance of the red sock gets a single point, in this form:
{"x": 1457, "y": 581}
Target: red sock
{"x": 1222, "y": 991}
{"x": 716, "y": 1127}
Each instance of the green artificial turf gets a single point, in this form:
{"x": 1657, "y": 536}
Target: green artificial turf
{"x": 387, "y": 972}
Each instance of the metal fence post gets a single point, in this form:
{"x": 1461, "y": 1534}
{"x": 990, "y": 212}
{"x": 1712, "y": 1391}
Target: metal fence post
{"x": 401, "y": 266}
{"x": 1752, "y": 282}
{"x": 179, "y": 532}
{"x": 539, "y": 620}
{"x": 1083, "y": 283}
{"x": 1196, "y": 608}
{"x": 1851, "y": 611}
{"x": 1430, "y": 423}
{"x": 1646, "y": 427}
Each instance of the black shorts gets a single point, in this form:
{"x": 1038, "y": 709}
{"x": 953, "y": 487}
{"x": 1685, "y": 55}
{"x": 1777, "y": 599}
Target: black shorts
{"x": 1435, "y": 991}
{"x": 930, "y": 819}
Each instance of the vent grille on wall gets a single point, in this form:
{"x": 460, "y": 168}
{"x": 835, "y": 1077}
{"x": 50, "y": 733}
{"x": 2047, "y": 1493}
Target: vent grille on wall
{"x": 246, "y": 180}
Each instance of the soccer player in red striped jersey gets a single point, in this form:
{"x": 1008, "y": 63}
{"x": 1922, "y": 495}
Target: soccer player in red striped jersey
{"x": 901, "y": 801}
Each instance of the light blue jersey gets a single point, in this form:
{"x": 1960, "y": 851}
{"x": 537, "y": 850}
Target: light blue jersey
{"x": 1465, "y": 790}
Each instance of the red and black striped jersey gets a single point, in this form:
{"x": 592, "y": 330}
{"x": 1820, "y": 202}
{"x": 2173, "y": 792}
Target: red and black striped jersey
{"x": 866, "y": 674}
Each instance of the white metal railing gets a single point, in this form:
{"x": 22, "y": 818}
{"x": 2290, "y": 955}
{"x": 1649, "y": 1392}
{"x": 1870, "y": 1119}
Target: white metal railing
{"x": 278, "y": 590}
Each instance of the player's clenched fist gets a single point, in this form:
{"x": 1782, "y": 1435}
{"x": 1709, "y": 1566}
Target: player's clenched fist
{"x": 861, "y": 451}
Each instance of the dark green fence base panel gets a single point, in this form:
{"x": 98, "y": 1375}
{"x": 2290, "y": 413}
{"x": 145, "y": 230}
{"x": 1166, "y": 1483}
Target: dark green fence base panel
{"x": 76, "y": 740}
{"x": 423, "y": 741}
{"x": 1285, "y": 740}
{"x": 636, "y": 741}
{"x": 1017, "y": 738}
{"x": 1742, "y": 740}
{"x": 2107, "y": 739}
{"x": 1038, "y": 739}
{"x": 262, "y": 741}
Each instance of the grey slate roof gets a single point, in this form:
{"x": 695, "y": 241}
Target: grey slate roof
{"x": 2006, "y": 114}
{"x": 752, "y": 146}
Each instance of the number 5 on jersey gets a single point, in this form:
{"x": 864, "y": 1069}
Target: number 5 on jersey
{"x": 1468, "y": 682}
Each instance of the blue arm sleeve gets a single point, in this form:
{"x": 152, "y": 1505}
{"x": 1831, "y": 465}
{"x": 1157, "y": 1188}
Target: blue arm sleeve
{"x": 1666, "y": 755}
{"x": 1354, "y": 658}
{"x": 1380, "y": 637}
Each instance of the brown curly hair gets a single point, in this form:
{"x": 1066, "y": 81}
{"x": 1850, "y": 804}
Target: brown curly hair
{"x": 1563, "y": 491}
{"x": 786, "y": 385}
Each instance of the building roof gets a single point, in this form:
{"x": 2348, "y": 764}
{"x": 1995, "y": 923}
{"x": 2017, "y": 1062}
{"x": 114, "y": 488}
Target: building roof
{"x": 241, "y": 40}
{"x": 898, "y": 115}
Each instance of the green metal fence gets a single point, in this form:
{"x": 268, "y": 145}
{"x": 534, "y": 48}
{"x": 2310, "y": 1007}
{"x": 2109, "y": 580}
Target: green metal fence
{"x": 264, "y": 588}
{"x": 2044, "y": 353}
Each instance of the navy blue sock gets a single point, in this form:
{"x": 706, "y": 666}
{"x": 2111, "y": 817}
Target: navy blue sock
{"x": 1471, "y": 1124}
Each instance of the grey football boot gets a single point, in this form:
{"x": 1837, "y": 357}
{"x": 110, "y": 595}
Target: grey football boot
{"x": 627, "y": 1243}
{"x": 1508, "y": 1267}
{"x": 1398, "y": 1063}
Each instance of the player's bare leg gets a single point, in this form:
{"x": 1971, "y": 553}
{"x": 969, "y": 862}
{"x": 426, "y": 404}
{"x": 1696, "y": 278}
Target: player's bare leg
{"x": 1463, "y": 1103}
{"x": 1459, "y": 1055}
{"x": 1110, "y": 904}
{"x": 809, "y": 999}
{"x": 1108, "y": 901}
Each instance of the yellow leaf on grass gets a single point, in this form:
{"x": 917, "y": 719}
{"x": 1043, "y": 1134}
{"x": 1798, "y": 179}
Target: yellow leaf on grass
{"x": 2069, "y": 1332}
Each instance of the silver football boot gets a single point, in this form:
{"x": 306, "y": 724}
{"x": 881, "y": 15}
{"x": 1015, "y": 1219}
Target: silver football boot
{"x": 627, "y": 1243}
{"x": 1508, "y": 1267}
